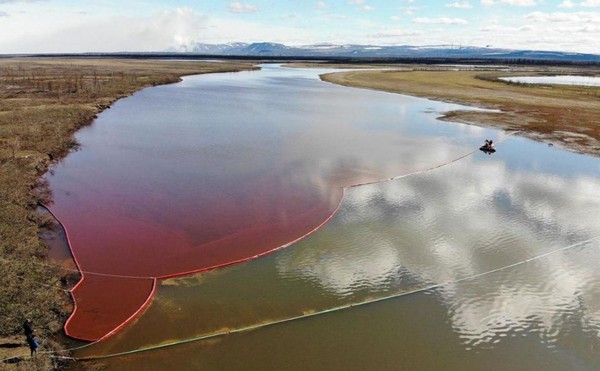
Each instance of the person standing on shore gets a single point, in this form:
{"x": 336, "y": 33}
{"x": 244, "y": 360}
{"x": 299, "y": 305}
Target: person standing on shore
{"x": 30, "y": 336}
{"x": 28, "y": 328}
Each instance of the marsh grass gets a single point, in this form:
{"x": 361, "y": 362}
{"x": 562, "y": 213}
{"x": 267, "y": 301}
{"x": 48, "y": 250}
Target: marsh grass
{"x": 42, "y": 103}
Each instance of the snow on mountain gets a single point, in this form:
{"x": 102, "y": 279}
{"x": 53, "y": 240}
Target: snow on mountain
{"x": 325, "y": 50}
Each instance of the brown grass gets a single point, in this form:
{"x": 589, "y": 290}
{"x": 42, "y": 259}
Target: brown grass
{"x": 42, "y": 103}
{"x": 566, "y": 115}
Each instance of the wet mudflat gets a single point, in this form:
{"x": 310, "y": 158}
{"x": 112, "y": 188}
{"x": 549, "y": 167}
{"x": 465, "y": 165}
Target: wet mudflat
{"x": 279, "y": 145}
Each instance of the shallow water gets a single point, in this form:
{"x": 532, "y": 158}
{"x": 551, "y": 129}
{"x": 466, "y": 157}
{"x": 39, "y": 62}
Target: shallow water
{"x": 433, "y": 228}
{"x": 561, "y": 80}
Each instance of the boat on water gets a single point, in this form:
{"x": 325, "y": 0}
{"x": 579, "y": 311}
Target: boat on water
{"x": 488, "y": 147}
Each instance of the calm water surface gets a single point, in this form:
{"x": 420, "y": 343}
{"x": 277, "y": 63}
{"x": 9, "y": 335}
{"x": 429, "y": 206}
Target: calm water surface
{"x": 561, "y": 80}
{"x": 222, "y": 168}
{"x": 278, "y": 143}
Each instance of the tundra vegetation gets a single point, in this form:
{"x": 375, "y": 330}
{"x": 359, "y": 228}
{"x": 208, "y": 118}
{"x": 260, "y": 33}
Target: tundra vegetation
{"x": 42, "y": 103}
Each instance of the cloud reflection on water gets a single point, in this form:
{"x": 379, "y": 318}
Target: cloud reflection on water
{"x": 468, "y": 218}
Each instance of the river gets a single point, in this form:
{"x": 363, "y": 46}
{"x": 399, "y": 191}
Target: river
{"x": 501, "y": 249}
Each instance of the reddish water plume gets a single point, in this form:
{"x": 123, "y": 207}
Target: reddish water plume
{"x": 179, "y": 179}
{"x": 148, "y": 246}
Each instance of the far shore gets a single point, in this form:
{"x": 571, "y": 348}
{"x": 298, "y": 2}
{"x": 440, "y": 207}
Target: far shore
{"x": 563, "y": 115}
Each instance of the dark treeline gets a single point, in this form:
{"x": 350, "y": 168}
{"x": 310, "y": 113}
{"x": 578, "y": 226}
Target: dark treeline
{"x": 326, "y": 59}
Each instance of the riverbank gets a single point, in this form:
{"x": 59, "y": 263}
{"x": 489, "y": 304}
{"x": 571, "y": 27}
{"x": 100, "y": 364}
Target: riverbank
{"x": 43, "y": 102}
{"x": 568, "y": 116}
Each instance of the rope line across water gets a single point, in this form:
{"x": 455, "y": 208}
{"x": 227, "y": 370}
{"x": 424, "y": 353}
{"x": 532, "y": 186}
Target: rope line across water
{"x": 204, "y": 337}
{"x": 500, "y": 140}
{"x": 331, "y": 310}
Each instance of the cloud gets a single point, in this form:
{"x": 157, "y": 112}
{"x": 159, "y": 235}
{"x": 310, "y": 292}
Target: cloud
{"x": 409, "y": 10}
{"x": 321, "y": 5}
{"x": 567, "y": 4}
{"x": 459, "y": 5}
{"x": 591, "y": 3}
{"x": 592, "y": 29}
{"x": 440, "y": 20}
{"x": 519, "y": 3}
{"x": 238, "y": 7}
{"x": 527, "y": 27}
{"x": 395, "y": 32}
{"x": 560, "y": 17}
{"x": 560, "y": 31}
{"x": 3, "y": 14}
{"x": 362, "y": 4}
{"x": 180, "y": 28}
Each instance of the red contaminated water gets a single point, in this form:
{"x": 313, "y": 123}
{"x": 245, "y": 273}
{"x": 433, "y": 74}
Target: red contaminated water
{"x": 146, "y": 246}
{"x": 214, "y": 171}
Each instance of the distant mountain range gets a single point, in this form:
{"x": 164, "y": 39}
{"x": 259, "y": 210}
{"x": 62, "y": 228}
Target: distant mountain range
{"x": 268, "y": 49}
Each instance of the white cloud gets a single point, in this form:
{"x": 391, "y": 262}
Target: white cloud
{"x": 526, "y": 28}
{"x": 3, "y": 14}
{"x": 440, "y": 20}
{"x": 567, "y": 4}
{"x": 238, "y": 7}
{"x": 459, "y": 5}
{"x": 321, "y": 5}
{"x": 179, "y": 28}
{"x": 591, "y": 3}
{"x": 592, "y": 29}
{"x": 558, "y": 17}
{"x": 395, "y": 32}
{"x": 564, "y": 31}
{"x": 520, "y": 3}
{"x": 362, "y": 5}
{"x": 395, "y": 18}
{"x": 589, "y": 29}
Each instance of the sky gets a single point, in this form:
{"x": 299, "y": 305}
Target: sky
{"x": 54, "y": 26}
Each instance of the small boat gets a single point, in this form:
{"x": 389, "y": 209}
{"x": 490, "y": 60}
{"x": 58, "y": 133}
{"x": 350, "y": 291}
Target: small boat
{"x": 487, "y": 149}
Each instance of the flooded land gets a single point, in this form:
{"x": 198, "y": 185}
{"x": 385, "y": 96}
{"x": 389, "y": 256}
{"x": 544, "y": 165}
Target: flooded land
{"x": 347, "y": 228}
